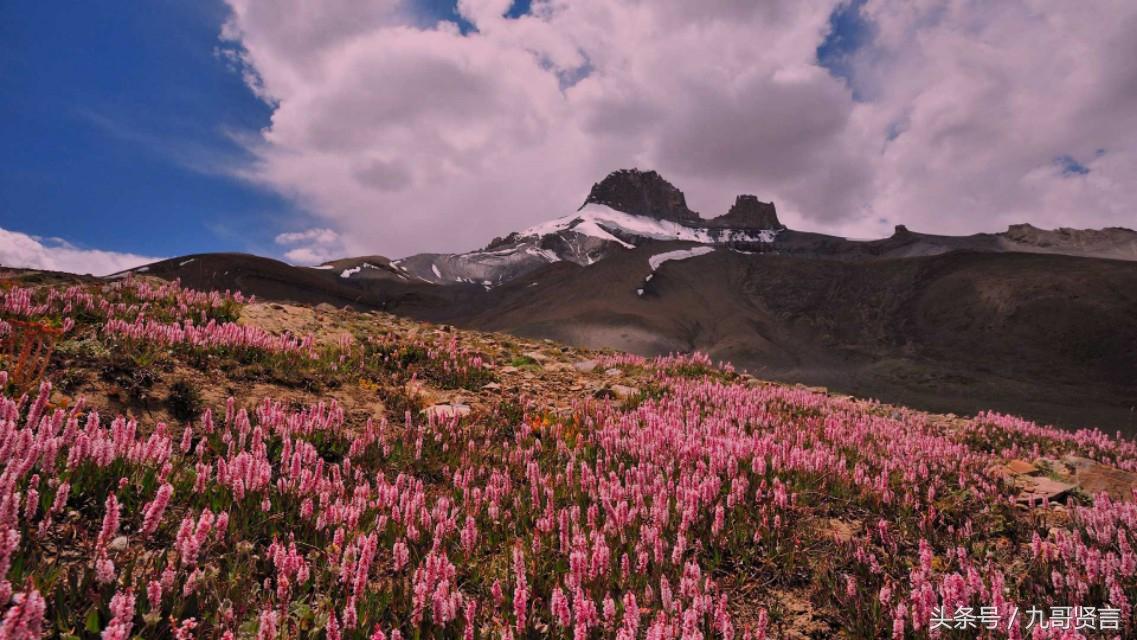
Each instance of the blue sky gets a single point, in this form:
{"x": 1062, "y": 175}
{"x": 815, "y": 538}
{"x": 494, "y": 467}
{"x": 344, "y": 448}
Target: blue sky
{"x": 121, "y": 128}
{"x": 848, "y": 32}
{"x": 117, "y": 120}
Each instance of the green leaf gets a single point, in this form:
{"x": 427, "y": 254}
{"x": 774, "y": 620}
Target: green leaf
{"x": 92, "y": 623}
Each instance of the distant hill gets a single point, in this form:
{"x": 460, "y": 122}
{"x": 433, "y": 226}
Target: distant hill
{"x": 1037, "y": 322}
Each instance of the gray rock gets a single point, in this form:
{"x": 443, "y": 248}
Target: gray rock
{"x": 623, "y": 391}
{"x": 585, "y": 366}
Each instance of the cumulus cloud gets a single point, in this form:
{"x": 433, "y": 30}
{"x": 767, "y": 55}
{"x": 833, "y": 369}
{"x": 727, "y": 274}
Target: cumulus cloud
{"x": 985, "y": 105}
{"x": 955, "y": 116}
{"x": 311, "y": 246}
{"x": 54, "y": 254}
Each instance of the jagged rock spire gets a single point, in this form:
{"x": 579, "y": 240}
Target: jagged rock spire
{"x": 749, "y": 212}
{"x": 642, "y": 193}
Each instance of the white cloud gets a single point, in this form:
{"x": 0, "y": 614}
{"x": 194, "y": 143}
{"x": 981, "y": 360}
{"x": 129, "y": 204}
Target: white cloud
{"x": 53, "y": 254}
{"x": 318, "y": 236}
{"x": 404, "y": 137}
{"x": 987, "y": 97}
{"x": 311, "y": 246}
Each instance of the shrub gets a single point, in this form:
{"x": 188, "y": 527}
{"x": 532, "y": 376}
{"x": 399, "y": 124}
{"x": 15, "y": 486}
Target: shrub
{"x": 184, "y": 401}
{"x": 28, "y": 347}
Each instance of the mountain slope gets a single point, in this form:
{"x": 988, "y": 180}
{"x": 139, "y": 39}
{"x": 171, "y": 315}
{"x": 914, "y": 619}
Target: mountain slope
{"x": 1004, "y": 321}
{"x": 1049, "y": 336}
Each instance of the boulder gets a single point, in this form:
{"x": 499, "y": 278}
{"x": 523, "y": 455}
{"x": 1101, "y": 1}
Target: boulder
{"x": 623, "y": 391}
{"x": 585, "y": 366}
{"x": 1040, "y": 489}
{"x": 1021, "y": 467}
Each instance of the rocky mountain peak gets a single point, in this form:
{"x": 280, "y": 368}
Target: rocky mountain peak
{"x": 748, "y": 212}
{"x": 642, "y": 193}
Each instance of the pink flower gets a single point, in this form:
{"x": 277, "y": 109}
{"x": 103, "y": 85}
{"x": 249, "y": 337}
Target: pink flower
{"x": 609, "y": 611}
{"x": 520, "y": 606}
{"x": 631, "y": 614}
{"x": 110, "y": 521}
{"x": 469, "y": 535}
{"x": 496, "y": 593}
{"x": 763, "y": 622}
{"x": 559, "y": 607}
{"x": 122, "y": 616}
{"x": 350, "y": 616}
{"x": 191, "y": 537}
{"x": 187, "y": 439}
{"x": 9, "y": 542}
{"x": 898, "y": 615}
{"x": 152, "y": 512}
{"x": 24, "y": 619}
{"x": 32, "y": 501}
{"x": 193, "y": 581}
{"x": 154, "y": 595}
{"x": 471, "y": 612}
{"x": 332, "y": 629}
{"x": 185, "y": 629}
{"x": 104, "y": 570}
{"x": 266, "y": 630}
{"x": 400, "y": 555}
{"x": 61, "y": 495}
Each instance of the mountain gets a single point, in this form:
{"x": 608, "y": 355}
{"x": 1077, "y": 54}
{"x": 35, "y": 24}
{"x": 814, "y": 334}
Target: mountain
{"x": 1029, "y": 321}
{"x": 625, "y": 210}
{"x": 630, "y": 208}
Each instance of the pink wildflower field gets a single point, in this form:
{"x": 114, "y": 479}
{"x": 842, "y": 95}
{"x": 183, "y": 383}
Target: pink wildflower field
{"x": 699, "y": 507}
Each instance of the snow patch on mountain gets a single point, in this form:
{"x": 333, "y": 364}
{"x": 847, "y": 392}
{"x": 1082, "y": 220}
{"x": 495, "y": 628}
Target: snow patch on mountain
{"x": 681, "y": 254}
{"x": 543, "y": 253}
{"x": 667, "y": 256}
{"x": 583, "y": 238}
{"x": 347, "y": 273}
{"x": 605, "y": 223}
